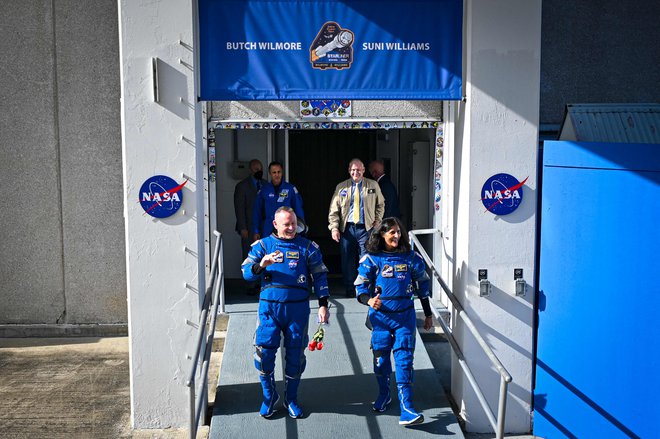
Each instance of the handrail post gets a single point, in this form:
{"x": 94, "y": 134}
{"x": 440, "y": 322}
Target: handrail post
{"x": 501, "y": 409}
{"x": 221, "y": 274}
{"x": 192, "y": 431}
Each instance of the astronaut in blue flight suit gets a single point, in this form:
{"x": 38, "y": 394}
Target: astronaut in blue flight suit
{"x": 271, "y": 197}
{"x": 285, "y": 263}
{"x": 389, "y": 276}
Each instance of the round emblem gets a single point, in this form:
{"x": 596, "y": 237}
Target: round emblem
{"x": 502, "y": 194}
{"x": 161, "y": 196}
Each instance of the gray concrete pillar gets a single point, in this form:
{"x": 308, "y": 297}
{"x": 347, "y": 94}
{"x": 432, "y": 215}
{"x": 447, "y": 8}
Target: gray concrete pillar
{"x": 496, "y": 132}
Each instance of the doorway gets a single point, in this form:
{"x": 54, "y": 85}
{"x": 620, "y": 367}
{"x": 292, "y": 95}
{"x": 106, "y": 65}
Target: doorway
{"x": 318, "y": 161}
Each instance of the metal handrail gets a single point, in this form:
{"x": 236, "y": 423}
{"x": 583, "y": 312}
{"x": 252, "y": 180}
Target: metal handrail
{"x": 214, "y": 297}
{"x": 505, "y": 377}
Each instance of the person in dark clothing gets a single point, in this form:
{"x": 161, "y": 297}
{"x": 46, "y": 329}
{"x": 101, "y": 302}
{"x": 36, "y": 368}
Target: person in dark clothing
{"x": 377, "y": 171}
{"x": 245, "y": 193}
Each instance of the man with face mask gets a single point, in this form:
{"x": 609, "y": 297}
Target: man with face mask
{"x": 272, "y": 196}
{"x": 245, "y": 193}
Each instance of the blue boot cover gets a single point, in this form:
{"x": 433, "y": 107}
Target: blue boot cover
{"x": 384, "y": 398}
{"x": 409, "y": 415}
{"x": 291, "y": 398}
{"x": 383, "y": 370}
{"x": 270, "y": 395}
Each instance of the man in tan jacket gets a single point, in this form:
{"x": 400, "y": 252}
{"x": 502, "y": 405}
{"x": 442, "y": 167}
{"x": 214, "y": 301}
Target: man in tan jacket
{"x": 356, "y": 207}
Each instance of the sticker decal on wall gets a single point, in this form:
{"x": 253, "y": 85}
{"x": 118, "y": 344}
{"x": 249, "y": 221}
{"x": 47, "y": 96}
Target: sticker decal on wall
{"x": 160, "y": 196}
{"x": 501, "y": 194}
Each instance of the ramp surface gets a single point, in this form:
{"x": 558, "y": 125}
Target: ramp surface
{"x": 336, "y": 391}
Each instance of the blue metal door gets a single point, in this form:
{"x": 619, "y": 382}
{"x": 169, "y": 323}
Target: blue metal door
{"x": 598, "y": 356}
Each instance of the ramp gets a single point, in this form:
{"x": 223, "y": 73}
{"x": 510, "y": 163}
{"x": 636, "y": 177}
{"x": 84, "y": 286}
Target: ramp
{"x": 337, "y": 388}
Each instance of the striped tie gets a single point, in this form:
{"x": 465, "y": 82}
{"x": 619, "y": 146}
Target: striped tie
{"x": 356, "y": 205}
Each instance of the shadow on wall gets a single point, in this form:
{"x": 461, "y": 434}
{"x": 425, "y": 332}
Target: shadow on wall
{"x": 541, "y": 401}
{"x": 185, "y": 212}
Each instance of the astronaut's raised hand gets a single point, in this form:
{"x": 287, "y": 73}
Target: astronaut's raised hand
{"x": 271, "y": 258}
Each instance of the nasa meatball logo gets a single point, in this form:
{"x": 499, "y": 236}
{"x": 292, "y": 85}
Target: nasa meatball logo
{"x": 160, "y": 196}
{"x": 502, "y": 194}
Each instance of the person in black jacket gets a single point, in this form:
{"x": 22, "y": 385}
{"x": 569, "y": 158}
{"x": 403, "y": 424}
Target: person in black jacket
{"x": 377, "y": 171}
{"x": 245, "y": 193}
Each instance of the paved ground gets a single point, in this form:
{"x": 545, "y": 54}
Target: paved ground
{"x": 76, "y": 388}
{"x": 64, "y": 388}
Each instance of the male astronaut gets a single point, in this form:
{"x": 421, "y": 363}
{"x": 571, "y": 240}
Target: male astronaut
{"x": 285, "y": 263}
{"x": 272, "y": 196}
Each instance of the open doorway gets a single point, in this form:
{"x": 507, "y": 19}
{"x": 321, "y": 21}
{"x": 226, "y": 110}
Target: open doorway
{"x": 318, "y": 161}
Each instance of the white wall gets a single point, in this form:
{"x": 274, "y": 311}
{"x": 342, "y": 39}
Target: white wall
{"x": 158, "y": 264}
{"x": 496, "y": 132}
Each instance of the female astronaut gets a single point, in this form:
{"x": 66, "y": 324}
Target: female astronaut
{"x": 389, "y": 276}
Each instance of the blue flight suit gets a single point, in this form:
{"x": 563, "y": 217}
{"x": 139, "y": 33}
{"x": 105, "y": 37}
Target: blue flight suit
{"x": 268, "y": 200}
{"x": 398, "y": 276}
{"x": 284, "y": 308}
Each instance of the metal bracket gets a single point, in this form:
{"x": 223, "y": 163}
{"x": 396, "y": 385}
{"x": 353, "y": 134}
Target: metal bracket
{"x": 484, "y": 284}
{"x": 521, "y": 285}
{"x": 154, "y": 76}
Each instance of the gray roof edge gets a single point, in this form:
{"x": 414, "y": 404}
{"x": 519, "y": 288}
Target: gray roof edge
{"x": 650, "y": 106}
{"x": 622, "y": 123}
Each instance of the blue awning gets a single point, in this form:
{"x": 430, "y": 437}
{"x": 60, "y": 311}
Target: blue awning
{"x": 325, "y": 49}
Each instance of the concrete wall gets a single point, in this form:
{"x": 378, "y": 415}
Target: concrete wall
{"x": 496, "y": 133}
{"x": 598, "y": 52}
{"x": 60, "y": 160}
{"x": 290, "y": 110}
{"x": 166, "y": 257}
